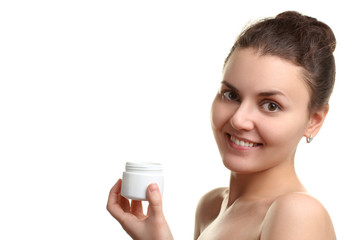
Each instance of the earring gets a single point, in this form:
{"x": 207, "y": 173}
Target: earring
{"x": 309, "y": 139}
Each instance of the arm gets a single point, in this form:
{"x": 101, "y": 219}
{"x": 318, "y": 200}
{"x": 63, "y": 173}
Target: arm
{"x": 297, "y": 216}
{"x": 131, "y": 217}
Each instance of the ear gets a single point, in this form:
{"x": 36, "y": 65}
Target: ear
{"x": 316, "y": 120}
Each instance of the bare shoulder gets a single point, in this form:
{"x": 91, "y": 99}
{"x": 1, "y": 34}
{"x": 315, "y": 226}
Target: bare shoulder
{"x": 209, "y": 205}
{"x": 208, "y": 208}
{"x": 297, "y": 216}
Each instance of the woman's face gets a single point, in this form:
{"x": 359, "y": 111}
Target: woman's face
{"x": 260, "y": 112}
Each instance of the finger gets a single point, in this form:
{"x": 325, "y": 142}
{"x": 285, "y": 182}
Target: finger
{"x": 117, "y": 205}
{"x": 137, "y": 209}
{"x": 124, "y": 203}
{"x": 155, "y": 202}
{"x": 114, "y": 193}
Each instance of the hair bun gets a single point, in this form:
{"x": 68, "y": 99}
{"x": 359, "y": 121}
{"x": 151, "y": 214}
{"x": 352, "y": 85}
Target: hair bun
{"x": 315, "y": 28}
{"x": 296, "y": 16}
{"x": 290, "y": 15}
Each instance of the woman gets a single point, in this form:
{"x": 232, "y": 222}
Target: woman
{"x": 277, "y": 80}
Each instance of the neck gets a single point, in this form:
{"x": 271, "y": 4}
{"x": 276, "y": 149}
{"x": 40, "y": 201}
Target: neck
{"x": 267, "y": 184}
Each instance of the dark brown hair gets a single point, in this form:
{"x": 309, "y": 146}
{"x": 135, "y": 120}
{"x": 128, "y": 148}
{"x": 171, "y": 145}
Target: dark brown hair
{"x": 304, "y": 41}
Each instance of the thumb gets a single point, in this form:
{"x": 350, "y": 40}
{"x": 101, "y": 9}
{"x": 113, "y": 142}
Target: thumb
{"x": 155, "y": 202}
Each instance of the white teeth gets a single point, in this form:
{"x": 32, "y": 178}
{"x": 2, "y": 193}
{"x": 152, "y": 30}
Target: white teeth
{"x": 241, "y": 142}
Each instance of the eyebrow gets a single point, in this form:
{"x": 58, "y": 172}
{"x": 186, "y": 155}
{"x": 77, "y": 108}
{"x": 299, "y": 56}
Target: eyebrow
{"x": 271, "y": 93}
{"x": 229, "y": 85}
{"x": 261, "y": 94}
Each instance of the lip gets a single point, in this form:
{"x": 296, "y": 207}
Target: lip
{"x": 253, "y": 144}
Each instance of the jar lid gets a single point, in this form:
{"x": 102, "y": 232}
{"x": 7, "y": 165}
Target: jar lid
{"x": 143, "y": 166}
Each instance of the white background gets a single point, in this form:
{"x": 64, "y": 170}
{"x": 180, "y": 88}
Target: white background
{"x": 87, "y": 85}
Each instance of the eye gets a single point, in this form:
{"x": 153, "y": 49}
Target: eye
{"x": 271, "y": 107}
{"x": 230, "y": 95}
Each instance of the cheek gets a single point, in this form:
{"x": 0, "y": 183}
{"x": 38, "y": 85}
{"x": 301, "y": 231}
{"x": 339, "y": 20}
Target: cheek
{"x": 221, "y": 113}
{"x": 218, "y": 115}
{"x": 285, "y": 132}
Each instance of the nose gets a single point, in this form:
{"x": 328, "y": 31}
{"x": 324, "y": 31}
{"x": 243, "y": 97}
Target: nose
{"x": 243, "y": 118}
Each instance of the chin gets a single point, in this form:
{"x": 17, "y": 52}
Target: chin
{"x": 240, "y": 166}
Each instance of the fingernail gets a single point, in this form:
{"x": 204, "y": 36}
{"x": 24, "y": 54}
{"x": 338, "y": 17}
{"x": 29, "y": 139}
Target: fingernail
{"x": 153, "y": 187}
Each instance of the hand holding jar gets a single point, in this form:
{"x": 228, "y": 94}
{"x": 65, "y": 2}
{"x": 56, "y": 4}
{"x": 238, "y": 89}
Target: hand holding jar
{"x": 139, "y": 226}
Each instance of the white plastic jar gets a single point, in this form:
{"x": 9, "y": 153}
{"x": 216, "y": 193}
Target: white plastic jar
{"x": 138, "y": 176}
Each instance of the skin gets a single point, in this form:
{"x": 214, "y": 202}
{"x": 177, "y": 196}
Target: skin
{"x": 262, "y": 100}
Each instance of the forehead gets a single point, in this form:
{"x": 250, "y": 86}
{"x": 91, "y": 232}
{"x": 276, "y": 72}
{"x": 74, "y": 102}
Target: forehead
{"x": 249, "y": 71}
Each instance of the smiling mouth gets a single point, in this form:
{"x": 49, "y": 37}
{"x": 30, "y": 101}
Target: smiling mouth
{"x": 243, "y": 143}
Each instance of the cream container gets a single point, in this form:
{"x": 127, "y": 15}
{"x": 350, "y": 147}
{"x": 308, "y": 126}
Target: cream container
{"x": 138, "y": 176}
